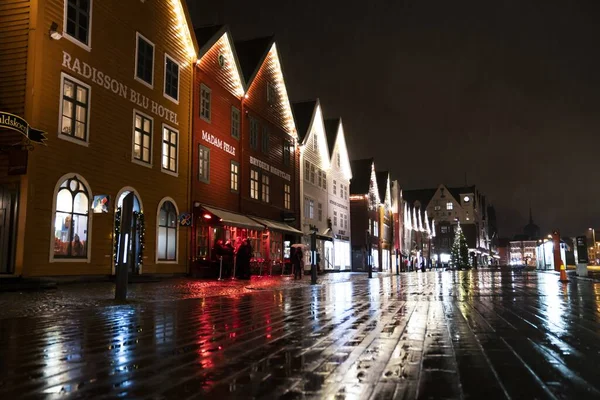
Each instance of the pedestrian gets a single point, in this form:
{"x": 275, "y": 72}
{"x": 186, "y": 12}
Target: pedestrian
{"x": 297, "y": 262}
{"x": 243, "y": 256}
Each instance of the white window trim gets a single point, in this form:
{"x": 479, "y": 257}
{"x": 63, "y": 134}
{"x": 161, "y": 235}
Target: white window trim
{"x": 133, "y": 159}
{"x": 209, "y": 90}
{"x": 232, "y": 162}
{"x": 61, "y": 135}
{"x": 90, "y": 218}
{"x": 168, "y": 171}
{"x": 86, "y": 47}
{"x": 116, "y": 207}
{"x": 207, "y": 180}
{"x": 156, "y": 260}
{"x": 140, "y": 80}
{"x": 176, "y": 101}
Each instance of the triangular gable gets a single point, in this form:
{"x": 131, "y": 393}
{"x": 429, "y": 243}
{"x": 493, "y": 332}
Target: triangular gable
{"x": 183, "y": 24}
{"x": 383, "y": 178}
{"x": 317, "y": 127}
{"x": 373, "y": 188}
{"x": 215, "y": 41}
{"x": 442, "y": 190}
{"x": 339, "y": 147}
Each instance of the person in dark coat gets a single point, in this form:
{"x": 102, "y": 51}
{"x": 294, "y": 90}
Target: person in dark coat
{"x": 243, "y": 257}
{"x": 297, "y": 262}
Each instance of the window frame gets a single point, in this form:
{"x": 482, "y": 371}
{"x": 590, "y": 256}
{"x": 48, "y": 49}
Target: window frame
{"x": 449, "y": 206}
{"x": 205, "y": 89}
{"x": 133, "y": 159}
{"x": 236, "y": 111}
{"x": 57, "y": 187}
{"x": 257, "y": 181}
{"x": 139, "y": 36}
{"x": 62, "y": 135}
{"x": 265, "y": 187}
{"x": 162, "y": 168}
{"x": 233, "y": 163}
{"x": 319, "y": 211}
{"x": 165, "y": 94}
{"x": 86, "y": 46}
{"x": 206, "y": 150}
{"x": 287, "y": 196}
{"x": 160, "y": 205}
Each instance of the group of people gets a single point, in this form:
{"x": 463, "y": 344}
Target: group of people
{"x": 226, "y": 253}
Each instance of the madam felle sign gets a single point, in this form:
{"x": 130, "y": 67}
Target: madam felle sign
{"x": 16, "y": 123}
{"x": 109, "y": 83}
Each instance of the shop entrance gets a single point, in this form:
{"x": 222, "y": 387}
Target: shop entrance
{"x": 8, "y": 227}
{"x": 134, "y": 241}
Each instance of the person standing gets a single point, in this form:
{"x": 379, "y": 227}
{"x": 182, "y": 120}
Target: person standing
{"x": 297, "y": 262}
{"x": 243, "y": 257}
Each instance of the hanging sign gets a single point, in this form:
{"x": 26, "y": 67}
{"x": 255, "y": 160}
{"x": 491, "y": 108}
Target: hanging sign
{"x": 16, "y": 123}
{"x": 185, "y": 219}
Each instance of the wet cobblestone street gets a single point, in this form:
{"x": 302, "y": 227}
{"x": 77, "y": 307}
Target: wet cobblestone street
{"x": 433, "y": 335}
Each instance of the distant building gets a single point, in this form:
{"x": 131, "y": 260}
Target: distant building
{"x": 503, "y": 251}
{"x": 522, "y": 252}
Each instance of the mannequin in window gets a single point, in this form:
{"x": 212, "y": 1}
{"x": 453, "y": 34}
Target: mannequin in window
{"x": 77, "y": 247}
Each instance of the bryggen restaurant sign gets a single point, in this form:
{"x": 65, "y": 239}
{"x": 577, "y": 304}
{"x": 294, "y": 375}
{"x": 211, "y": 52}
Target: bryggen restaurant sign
{"x": 269, "y": 168}
{"x": 103, "y": 80}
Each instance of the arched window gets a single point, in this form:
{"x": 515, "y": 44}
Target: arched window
{"x": 167, "y": 232}
{"x": 71, "y": 219}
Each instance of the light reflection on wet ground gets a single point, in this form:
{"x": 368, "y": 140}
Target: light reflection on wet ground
{"x": 423, "y": 335}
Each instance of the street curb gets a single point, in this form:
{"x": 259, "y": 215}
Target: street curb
{"x": 581, "y": 278}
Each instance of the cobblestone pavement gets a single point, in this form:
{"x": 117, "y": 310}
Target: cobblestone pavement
{"x": 451, "y": 335}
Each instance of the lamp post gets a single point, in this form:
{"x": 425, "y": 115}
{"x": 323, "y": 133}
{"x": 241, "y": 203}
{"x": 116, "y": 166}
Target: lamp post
{"x": 369, "y": 255}
{"x": 313, "y": 255}
{"x": 594, "y": 244}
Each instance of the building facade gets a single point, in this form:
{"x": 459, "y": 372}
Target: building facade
{"x": 523, "y": 252}
{"x": 112, "y": 92}
{"x": 386, "y": 216}
{"x": 338, "y": 201}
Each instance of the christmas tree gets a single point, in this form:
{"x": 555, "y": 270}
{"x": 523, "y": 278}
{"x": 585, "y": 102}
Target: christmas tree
{"x": 460, "y": 250}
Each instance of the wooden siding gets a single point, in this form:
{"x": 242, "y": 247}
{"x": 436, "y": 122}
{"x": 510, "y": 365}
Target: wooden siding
{"x": 106, "y": 163}
{"x": 226, "y": 76}
{"x": 337, "y": 174}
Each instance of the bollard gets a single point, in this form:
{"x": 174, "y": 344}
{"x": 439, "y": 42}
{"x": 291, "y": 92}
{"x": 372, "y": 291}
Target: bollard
{"x": 563, "y": 273}
{"x": 313, "y": 274}
{"x": 234, "y": 265}
{"x": 370, "y": 270}
{"x": 220, "y": 268}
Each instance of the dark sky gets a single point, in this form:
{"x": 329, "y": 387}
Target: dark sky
{"x": 506, "y": 92}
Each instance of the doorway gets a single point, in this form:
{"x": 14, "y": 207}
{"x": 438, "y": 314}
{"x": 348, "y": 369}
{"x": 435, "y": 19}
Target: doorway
{"x": 133, "y": 242}
{"x": 8, "y": 227}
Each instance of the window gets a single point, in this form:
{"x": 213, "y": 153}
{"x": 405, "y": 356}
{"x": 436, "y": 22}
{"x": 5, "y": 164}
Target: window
{"x": 335, "y": 218}
{"x": 254, "y": 133}
{"x": 167, "y": 232}
{"x": 265, "y": 140}
{"x": 309, "y": 208}
{"x": 375, "y": 228}
{"x": 286, "y": 152}
{"x": 306, "y": 170}
{"x": 338, "y": 160}
{"x": 315, "y": 142}
{"x": 271, "y": 93}
{"x": 235, "y": 176}
{"x": 74, "y": 106}
{"x": 144, "y": 61}
{"x": 235, "y": 123}
{"x": 346, "y": 221}
{"x": 320, "y": 211}
{"x": 169, "y": 149}
{"x": 312, "y": 174}
{"x": 319, "y": 178}
{"x": 171, "y": 79}
{"x": 324, "y": 180}
{"x": 203, "y": 164}
{"x": 287, "y": 196}
{"x": 71, "y": 222}
{"x": 254, "y": 183}
{"x": 449, "y": 206}
{"x": 205, "y": 94}
{"x": 335, "y": 187}
{"x": 142, "y": 138}
{"x": 78, "y": 20}
{"x": 437, "y": 208}
{"x": 444, "y": 229}
{"x": 266, "y": 190}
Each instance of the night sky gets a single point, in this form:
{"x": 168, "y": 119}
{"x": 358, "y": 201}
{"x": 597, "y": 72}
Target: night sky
{"x": 504, "y": 92}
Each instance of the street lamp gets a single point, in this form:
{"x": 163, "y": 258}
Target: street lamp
{"x": 594, "y": 243}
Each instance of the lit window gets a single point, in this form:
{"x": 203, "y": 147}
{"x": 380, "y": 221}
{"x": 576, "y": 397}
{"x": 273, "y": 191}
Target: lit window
{"x": 235, "y": 176}
{"x": 235, "y": 123}
{"x": 167, "y": 232}
{"x": 254, "y": 133}
{"x": 71, "y": 220}
{"x": 142, "y": 138}
{"x": 169, "y": 149}
{"x": 311, "y": 209}
{"x": 203, "y": 164}
{"x": 449, "y": 205}
{"x": 78, "y": 20}
{"x": 171, "y": 78}
{"x": 266, "y": 190}
{"x": 74, "y": 109}
{"x": 265, "y": 140}
{"x": 287, "y": 196}
{"x": 254, "y": 183}
{"x": 375, "y": 228}
{"x": 144, "y": 61}
{"x": 205, "y": 102}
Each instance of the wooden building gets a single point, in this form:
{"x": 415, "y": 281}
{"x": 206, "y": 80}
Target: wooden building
{"x": 385, "y": 221}
{"x": 113, "y": 92}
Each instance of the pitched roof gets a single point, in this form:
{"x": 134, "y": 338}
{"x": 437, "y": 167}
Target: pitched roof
{"x": 361, "y": 176}
{"x": 251, "y": 54}
{"x": 207, "y": 36}
{"x": 456, "y": 192}
{"x": 331, "y": 131}
{"x": 423, "y": 196}
{"x": 304, "y": 112}
{"x": 382, "y": 177}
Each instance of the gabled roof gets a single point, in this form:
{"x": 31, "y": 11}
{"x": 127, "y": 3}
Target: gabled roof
{"x": 331, "y": 131}
{"x": 423, "y": 196}
{"x": 382, "y": 180}
{"x": 304, "y": 113}
{"x": 251, "y": 54}
{"x": 207, "y": 36}
{"x": 456, "y": 192}
{"x": 361, "y": 176}
{"x": 183, "y": 22}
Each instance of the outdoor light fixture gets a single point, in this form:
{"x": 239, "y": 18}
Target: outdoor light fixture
{"x": 54, "y": 34}
{"x": 207, "y": 216}
{"x": 197, "y": 204}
